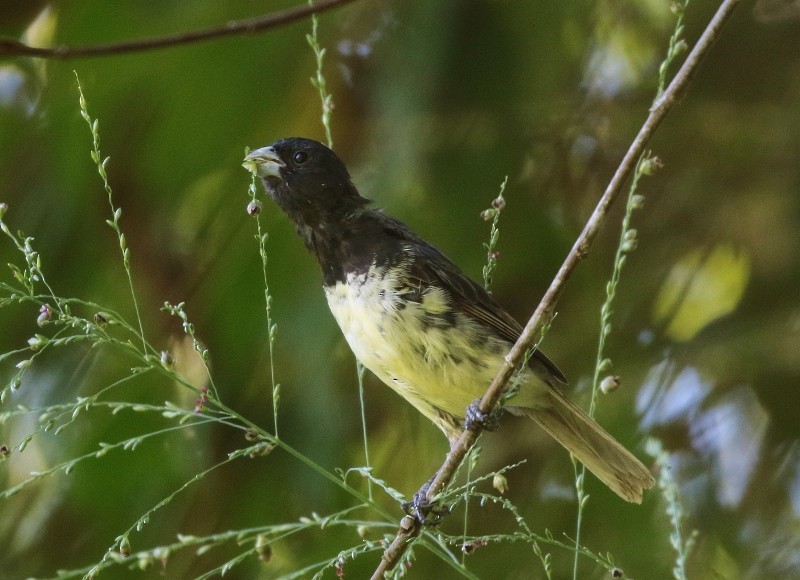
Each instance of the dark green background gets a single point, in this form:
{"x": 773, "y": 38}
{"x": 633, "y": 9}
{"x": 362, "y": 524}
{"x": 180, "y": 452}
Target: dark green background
{"x": 435, "y": 103}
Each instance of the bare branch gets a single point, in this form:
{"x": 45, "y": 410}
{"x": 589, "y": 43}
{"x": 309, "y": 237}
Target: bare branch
{"x": 10, "y": 47}
{"x": 410, "y": 527}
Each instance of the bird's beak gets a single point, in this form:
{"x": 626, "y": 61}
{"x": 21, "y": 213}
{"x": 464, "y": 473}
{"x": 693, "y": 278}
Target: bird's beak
{"x": 264, "y": 162}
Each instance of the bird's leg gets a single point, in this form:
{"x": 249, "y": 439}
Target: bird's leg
{"x": 428, "y": 513}
{"x": 478, "y": 420}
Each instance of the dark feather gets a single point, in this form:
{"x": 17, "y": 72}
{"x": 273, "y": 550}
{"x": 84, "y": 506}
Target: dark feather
{"x": 432, "y": 268}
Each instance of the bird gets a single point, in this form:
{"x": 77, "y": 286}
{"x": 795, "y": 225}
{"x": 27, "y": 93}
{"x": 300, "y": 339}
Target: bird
{"x": 416, "y": 320}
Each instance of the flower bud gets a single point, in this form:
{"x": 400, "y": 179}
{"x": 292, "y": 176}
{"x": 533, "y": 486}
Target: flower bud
{"x": 125, "y": 547}
{"x": 45, "y": 314}
{"x": 651, "y": 165}
{"x": 610, "y": 384}
{"x": 263, "y": 548}
{"x": 166, "y": 360}
{"x": 500, "y": 483}
{"x": 37, "y": 341}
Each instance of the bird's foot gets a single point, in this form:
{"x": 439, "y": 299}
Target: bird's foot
{"x": 427, "y": 512}
{"x": 477, "y": 420}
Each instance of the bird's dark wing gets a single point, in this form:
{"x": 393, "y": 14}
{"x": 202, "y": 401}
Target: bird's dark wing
{"x": 432, "y": 268}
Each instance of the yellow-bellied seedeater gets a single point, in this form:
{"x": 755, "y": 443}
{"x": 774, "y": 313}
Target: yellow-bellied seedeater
{"x": 413, "y": 318}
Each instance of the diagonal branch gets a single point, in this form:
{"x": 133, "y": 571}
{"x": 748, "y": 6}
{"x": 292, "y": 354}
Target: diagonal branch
{"x": 10, "y": 47}
{"x": 410, "y": 527}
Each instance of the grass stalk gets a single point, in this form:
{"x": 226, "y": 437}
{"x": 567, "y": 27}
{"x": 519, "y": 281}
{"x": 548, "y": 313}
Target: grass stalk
{"x": 116, "y": 212}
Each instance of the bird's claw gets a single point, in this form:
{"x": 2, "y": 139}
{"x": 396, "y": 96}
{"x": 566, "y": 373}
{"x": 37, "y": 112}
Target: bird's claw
{"x": 427, "y": 512}
{"x": 477, "y": 420}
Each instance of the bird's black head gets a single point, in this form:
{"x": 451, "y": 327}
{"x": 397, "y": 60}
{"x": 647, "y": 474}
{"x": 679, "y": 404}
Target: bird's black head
{"x": 307, "y": 180}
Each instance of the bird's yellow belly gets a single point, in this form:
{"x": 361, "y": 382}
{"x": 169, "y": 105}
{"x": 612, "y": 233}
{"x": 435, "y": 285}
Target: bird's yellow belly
{"x": 438, "y": 360}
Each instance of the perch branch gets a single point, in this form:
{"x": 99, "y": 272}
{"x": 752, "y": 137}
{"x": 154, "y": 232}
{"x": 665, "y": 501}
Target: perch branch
{"x": 410, "y": 527}
{"x": 10, "y": 47}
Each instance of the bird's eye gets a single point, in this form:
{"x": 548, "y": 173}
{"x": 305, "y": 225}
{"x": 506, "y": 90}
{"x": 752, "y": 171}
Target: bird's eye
{"x": 300, "y": 157}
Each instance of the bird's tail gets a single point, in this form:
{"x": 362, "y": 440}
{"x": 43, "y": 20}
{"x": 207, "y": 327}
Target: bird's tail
{"x": 593, "y": 446}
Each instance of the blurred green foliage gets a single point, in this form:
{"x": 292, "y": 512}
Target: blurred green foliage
{"x": 435, "y": 102}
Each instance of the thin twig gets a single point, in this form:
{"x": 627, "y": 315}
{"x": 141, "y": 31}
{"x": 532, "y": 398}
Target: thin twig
{"x": 410, "y": 527}
{"x": 12, "y": 47}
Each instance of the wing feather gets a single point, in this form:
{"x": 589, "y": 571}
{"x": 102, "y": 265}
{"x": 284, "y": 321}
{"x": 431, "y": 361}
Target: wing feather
{"x": 430, "y": 267}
